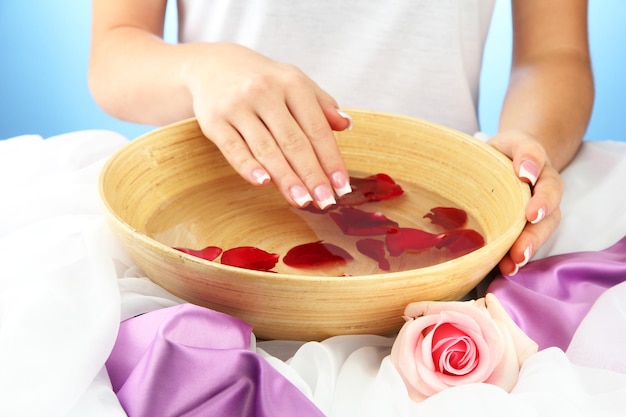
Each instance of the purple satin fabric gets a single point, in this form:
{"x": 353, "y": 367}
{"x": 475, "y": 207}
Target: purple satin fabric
{"x": 191, "y": 361}
{"x": 549, "y": 298}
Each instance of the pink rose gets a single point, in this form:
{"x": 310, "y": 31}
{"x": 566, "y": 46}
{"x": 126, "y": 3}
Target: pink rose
{"x": 446, "y": 344}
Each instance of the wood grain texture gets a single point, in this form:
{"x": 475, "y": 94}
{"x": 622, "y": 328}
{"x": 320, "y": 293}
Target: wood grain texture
{"x": 175, "y": 176}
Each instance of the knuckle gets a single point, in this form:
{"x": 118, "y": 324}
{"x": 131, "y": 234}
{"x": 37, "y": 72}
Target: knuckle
{"x": 256, "y": 85}
{"x": 318, "y": 131}
{"x": 309, "y": 175}
{"x": 230, "y": 147}
{"x": 293, "y": 75}
{"x": 263, "y": 150}
{"x": 293, "y": 141}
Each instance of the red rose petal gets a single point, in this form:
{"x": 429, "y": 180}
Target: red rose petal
{"x": 315, "y": 254}
{"x": 410, "y": 239}
{"x": 209, "y": 253}
{"x": 373, "y": 188}
{"x": 316, "y": 210}
{"x": 355, "y": 222}
{"x": 462, "y": 241}
{"x": 249, "y": 257}
{"x": 447, "y": 217}
{"x": 374, "y": 249}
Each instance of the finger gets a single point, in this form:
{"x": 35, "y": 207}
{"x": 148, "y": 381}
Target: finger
{"x": 543, "y": 215}
{"x": 265, "y": 149}
{"x": 532, "y": 237}
{"x": 337, "y": 119}
{"x": 528, "y": 156}
{"x": 311, "y": 118}
{"x": 298, "y": 151}
{"x": 281, "y": 142}
{"x": 315, "y": 114}
{"x": 547, "y": 194}
{"x": 236, "y": 151}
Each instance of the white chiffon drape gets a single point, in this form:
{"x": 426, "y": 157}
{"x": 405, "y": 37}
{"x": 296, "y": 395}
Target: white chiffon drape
{"x": 65, "y": 284}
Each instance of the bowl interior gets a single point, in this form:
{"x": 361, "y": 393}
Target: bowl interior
{"x": 172, "y": 188}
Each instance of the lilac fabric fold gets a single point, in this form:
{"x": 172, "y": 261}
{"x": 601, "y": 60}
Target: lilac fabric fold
{"x": 549, "y": 298}
{"x": 191, "y": 361}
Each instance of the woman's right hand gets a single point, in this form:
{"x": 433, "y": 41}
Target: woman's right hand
{"x": 270, "y": 121}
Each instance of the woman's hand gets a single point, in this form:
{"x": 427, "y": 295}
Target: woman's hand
{"x": 545, "y": 111}
{"x": 270, "y": 121}
{"x": 531, "y": 165}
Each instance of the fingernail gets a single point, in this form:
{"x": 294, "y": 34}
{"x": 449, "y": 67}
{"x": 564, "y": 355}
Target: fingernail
{"x": 540, "y": 215}
{"x": 345, "y": 116}
{"x": 323, "y": 197}
{"x": 300, "y": 195}
{"x": 529, "y": 170}
{"x": 260, "y": 176}
{"x": 514, "y": 272}
{"x": 527, "y": 253}
{"x": 340, "y": 184}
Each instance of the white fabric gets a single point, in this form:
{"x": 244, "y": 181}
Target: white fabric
{"x": 418, "y": 58}
{"x": 59, "y": 301}
{"x": 65, "y": 283}
{"x": 598, "y": 342}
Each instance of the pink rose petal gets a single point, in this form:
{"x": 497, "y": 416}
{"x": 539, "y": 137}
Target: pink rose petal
{"x": 454, "y": 352}
{"x": 524, "y": 345}
{"x": 446, "y": 344}
{"x": 505, "y": 375}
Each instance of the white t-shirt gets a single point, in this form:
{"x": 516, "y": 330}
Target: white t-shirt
{"x": 420, "y": 58}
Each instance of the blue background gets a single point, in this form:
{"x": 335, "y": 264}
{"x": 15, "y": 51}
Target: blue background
{"x": 45, "y": 48}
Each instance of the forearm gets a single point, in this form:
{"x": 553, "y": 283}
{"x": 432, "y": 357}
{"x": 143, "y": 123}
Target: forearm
{"x": 551, "y": 98}
{"x": 551, "y": 91}
{"x": 135, "y": 76}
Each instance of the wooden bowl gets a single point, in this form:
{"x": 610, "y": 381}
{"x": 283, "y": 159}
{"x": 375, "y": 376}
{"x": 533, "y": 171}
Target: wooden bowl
{"x": 172, "y": 188}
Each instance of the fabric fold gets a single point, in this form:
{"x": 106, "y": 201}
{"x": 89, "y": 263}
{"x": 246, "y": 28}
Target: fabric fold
{"x": 549, "y": 298}
{"x": 187, "y": 360}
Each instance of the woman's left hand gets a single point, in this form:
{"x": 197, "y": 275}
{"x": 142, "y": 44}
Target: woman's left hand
{"x": 543, "y": 214}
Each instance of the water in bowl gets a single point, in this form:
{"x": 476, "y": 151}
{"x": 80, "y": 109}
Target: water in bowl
{"x": 260, "y": 217}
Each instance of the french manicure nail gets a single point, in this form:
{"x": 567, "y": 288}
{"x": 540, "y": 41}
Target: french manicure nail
{"x": 300, "y": 195}
{"x": 345, "y": 116}
{"x": 540, "y": 215}
{"x": 323, "y": 197}
{"x": 529, "y": 170}
{"x": 514, "y": 272}
{"x": 260, "y": 176}
{"x": 527, "y": 253}
{"x": 340, "y": 184}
